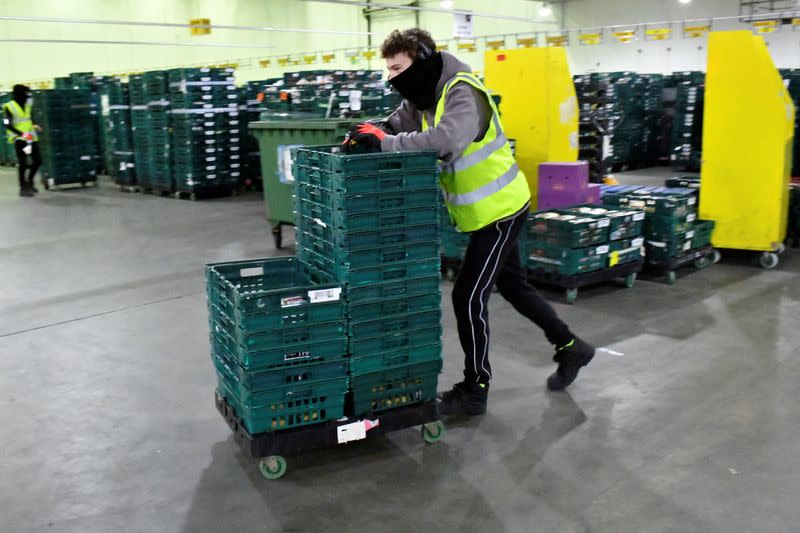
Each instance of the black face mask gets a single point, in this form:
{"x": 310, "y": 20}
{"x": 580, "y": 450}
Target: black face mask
{"x": 417, "y": 83}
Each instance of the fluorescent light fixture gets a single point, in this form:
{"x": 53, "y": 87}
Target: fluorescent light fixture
{"x": 446, "y": 4}
{"x": 545, "y": 10}
{"x": 684, "y": 1}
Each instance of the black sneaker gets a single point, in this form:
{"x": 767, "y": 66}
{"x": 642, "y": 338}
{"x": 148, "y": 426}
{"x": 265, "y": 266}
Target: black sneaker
{"x": 27, "y": 193}
{"x": 570, "y": 359}
{"x": 465, "y": 398}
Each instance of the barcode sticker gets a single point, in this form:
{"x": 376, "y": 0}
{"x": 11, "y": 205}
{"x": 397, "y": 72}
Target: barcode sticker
{"x": 687, "y": 245}
{"x": 691, "y": 217}
{"x": 292, "y": 301}
{"x": 325, "y": 295}
{"x": 637, "y": 242}
{"x": 692, "y": 200}
{"x": 638, "y": 216}
{"x": 690, "y": 234}
{"x": 602, "y": 250}
{"x": 250, "y": 272}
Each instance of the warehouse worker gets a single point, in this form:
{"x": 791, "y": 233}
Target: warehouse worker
{"x": 448, "y": 110}
{"x": 23, "y": 134}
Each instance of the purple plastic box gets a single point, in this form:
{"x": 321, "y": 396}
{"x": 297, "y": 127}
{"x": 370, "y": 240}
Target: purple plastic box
{"x": 563, "y": 177}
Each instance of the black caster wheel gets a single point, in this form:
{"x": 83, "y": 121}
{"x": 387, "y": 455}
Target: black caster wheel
{"x": 717, "y": 256}
{"x": 671, "y": 277}
{"x": 272, "y": 467}
{"x": 703, "y": 262}
{"x": 769, "y": 260}
{"x": 193, "y": 197}
{"x": 630, "y": 280}
{"x": 571, "y": 296}
{"x": 177, "y": 196}
{"x": 277, "y": 233}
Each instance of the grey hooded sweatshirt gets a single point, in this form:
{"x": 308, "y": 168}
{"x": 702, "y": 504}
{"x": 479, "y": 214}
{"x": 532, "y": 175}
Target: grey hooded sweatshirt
{"x": 465, "y": 120}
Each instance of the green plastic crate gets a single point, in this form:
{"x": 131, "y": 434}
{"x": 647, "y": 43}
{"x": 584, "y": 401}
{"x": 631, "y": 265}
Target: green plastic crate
{"x": 271, "y": 322}
{"x": 623, "y": 223}
{"x": 406, "y": 288}
{"x": 373, "y": 182}
{"x": 239, "y": 342}
{"x": 566, "y": 261}
{"x": 331, "y": 158}
{"x": 369, "y": 257}
{"x": 270, "y": 286}
{"x": 358, "y": 347}
{"x": 368, "y": 239}
{"x": 674, "y": 206}
{"x": 390, "y": 325}
{"x": 248, "y": 383}
{"x": 659, "y": 227}
{"x": 701, "y": 233}
{"x": 661, "y": 251}
{"x": 357, "y": 312}
{"x": 367, "y": 221}
{"x": 296, "y": 354}
{"x": 378, "y": 362}
{"x": 376, "y": 274}
{"x": 567, "y": 229}
{"x": 288, "y": 407}
{"x": 410, "y": 384}
{"x": 358, "y": 203}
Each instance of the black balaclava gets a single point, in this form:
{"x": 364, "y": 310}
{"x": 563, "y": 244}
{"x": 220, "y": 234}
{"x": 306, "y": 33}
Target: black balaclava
{"x": 417, "y": 83}
{"x": 20, "y": 94}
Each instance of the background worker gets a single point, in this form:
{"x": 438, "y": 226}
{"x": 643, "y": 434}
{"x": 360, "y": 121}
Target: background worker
{"x": 23, "y": 134}
{"x": 447, "y": 109}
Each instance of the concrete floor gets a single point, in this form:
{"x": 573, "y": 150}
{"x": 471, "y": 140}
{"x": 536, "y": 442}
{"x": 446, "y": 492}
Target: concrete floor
{"x": 108, "y": 422}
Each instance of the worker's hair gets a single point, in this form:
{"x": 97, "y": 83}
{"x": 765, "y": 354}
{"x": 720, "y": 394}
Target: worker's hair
{"x": 417, "y": 43}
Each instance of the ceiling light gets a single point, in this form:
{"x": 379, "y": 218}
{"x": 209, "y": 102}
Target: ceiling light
{"x": 545, "y": 10}
{"x": 446, "y": 4}
{"x": 684, "y": 1}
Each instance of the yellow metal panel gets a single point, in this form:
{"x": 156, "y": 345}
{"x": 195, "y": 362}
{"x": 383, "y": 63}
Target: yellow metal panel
{"x": 748, "y": 131}
{"x": 539, "y": 106}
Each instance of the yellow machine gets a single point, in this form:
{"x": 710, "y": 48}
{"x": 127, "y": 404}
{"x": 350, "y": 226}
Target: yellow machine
{"x": 748, "y": 130}
{"x": 538, "y": 104}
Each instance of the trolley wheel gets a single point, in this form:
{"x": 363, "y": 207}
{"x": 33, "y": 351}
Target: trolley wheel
{"x": 671, "y": 277}
{"x": 781, "y": 249}
{"x": 572, "y": 295}
{"x": 177, "y": 195}
{"x": 433, "y": 431}
{"x": 630, "y": 280}
{"x": 717, "y": 256}
{"x": 702, "y": 262}
{"x": 193, "y": 197}
{"x": 769, "y": 260}
{"x": 277, "y": 233}
{"x": 272, "y": 467}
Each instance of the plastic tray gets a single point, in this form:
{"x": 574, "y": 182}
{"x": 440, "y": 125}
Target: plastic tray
{"x": 564, "y": 260}
{"x": 248, "y": 383}
{"x": 569, "y": 232}
{"x": 406, "y": 288}
{"x": 389, "y": 181}
{"x": 238, "y": 342}
{"x": 297, "y": 354}
{"x": 378, "y": 274}
{"x": 367, "y": 221}
{"x": 395, "y": 306}
{"x": 331, "y": 158}
{"x": 289, "y": 407}
{"x": 368, "y": 239}
{"x": 360, "y": 366}
{"x": 358, "y": 203}
{"x": 221, "y": 307}
{"x": 396, "y": 387}
{"x": 270, "y": 285}
{"x": 368, "y": 257}
{"x": 398, "y": 341}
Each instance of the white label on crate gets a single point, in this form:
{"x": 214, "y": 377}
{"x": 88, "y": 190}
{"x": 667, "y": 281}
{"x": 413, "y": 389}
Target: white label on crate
{"x": 122, "y": 166}
{"x": 234, "y": 139}
{"x": 690, "y": 234}
{"x": 355, "y": 430}
{"x": 250, "y": 272}
{"x": 691, "y": 217}
{"x": 603, "y": 223}
{"x": 211, "y": 167}
{"x": 235, "y": 174}
{"x": 320, "y": 223}
{"x": 692, "y": 200}
{"x": 234, "y": 157}
{"x": 637, "y": 242}
{"x": 235, "y": 165}
{"x": 210, "y": 159}
{"x": 211, "y": 176}
{"x": 208, "y": 124}
{"x": 602, "y": 250}
{"x": 205, "y": 87}
{"x": 355, "y": 100}
{"x": 638, "y": 216}
{"x": 208, "y": 115}
{"x": 210, "y": 150}
{"x": 325, "y": 295}
{"x": 233, "y": 132}
{"x": 207, "y": 97}
{"x": 104, "y": 105}
{"x": 292, "y": 301}
{"x": 86, "y": 158}
{"x": 687, "y": 245}
{"x": 131, "y": 165}
{"x": 657, "y": 244}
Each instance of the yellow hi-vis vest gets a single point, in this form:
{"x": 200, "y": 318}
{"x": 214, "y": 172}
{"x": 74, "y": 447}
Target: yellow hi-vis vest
{"x": 484, "y": 184}
{"x": 20, "y": 119}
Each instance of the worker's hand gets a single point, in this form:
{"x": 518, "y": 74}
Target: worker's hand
{"x": 368, "y": 136}
{"x": 37, "y": 127}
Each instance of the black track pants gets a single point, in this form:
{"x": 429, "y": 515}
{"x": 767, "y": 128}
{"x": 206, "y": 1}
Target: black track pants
{"x": 26, "y": 182}
{"x": 493, "y": 257}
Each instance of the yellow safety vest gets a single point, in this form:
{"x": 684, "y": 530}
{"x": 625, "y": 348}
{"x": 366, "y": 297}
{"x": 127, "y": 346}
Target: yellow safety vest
{"x": 484, "y": 184}
{"x": 20, "y": 119}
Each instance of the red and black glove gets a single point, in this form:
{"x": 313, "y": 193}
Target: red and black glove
{"x": 366, "y": 136}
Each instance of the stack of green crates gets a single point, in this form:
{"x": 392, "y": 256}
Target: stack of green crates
{"x": 687, "y": 122}
{"x": 206, "y": 130}
{"x": 250, "y": 98}
{"x": 371, "y": 221}
{"x": 68, "y": 140}
{"x": 115, "y": 111}
{"x": 278, "y": 342}
{"x": 671, "y": 225}
{"x": 150, "y": 124}
{"x": 579, "y": 240}
{"x": 454, "y": 242}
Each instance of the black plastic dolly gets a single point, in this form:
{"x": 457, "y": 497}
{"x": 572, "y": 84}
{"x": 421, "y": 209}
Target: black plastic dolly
{"x": 271, "y": 448}
{"x": 700, "y": 257}
{"x": 571, "y": 284}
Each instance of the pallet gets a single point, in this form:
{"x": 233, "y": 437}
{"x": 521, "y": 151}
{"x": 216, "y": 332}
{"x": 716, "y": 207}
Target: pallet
{"x": 700, "y": 257}
{"x": 270, "y": 447}
{"x": 571, "y": 284}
